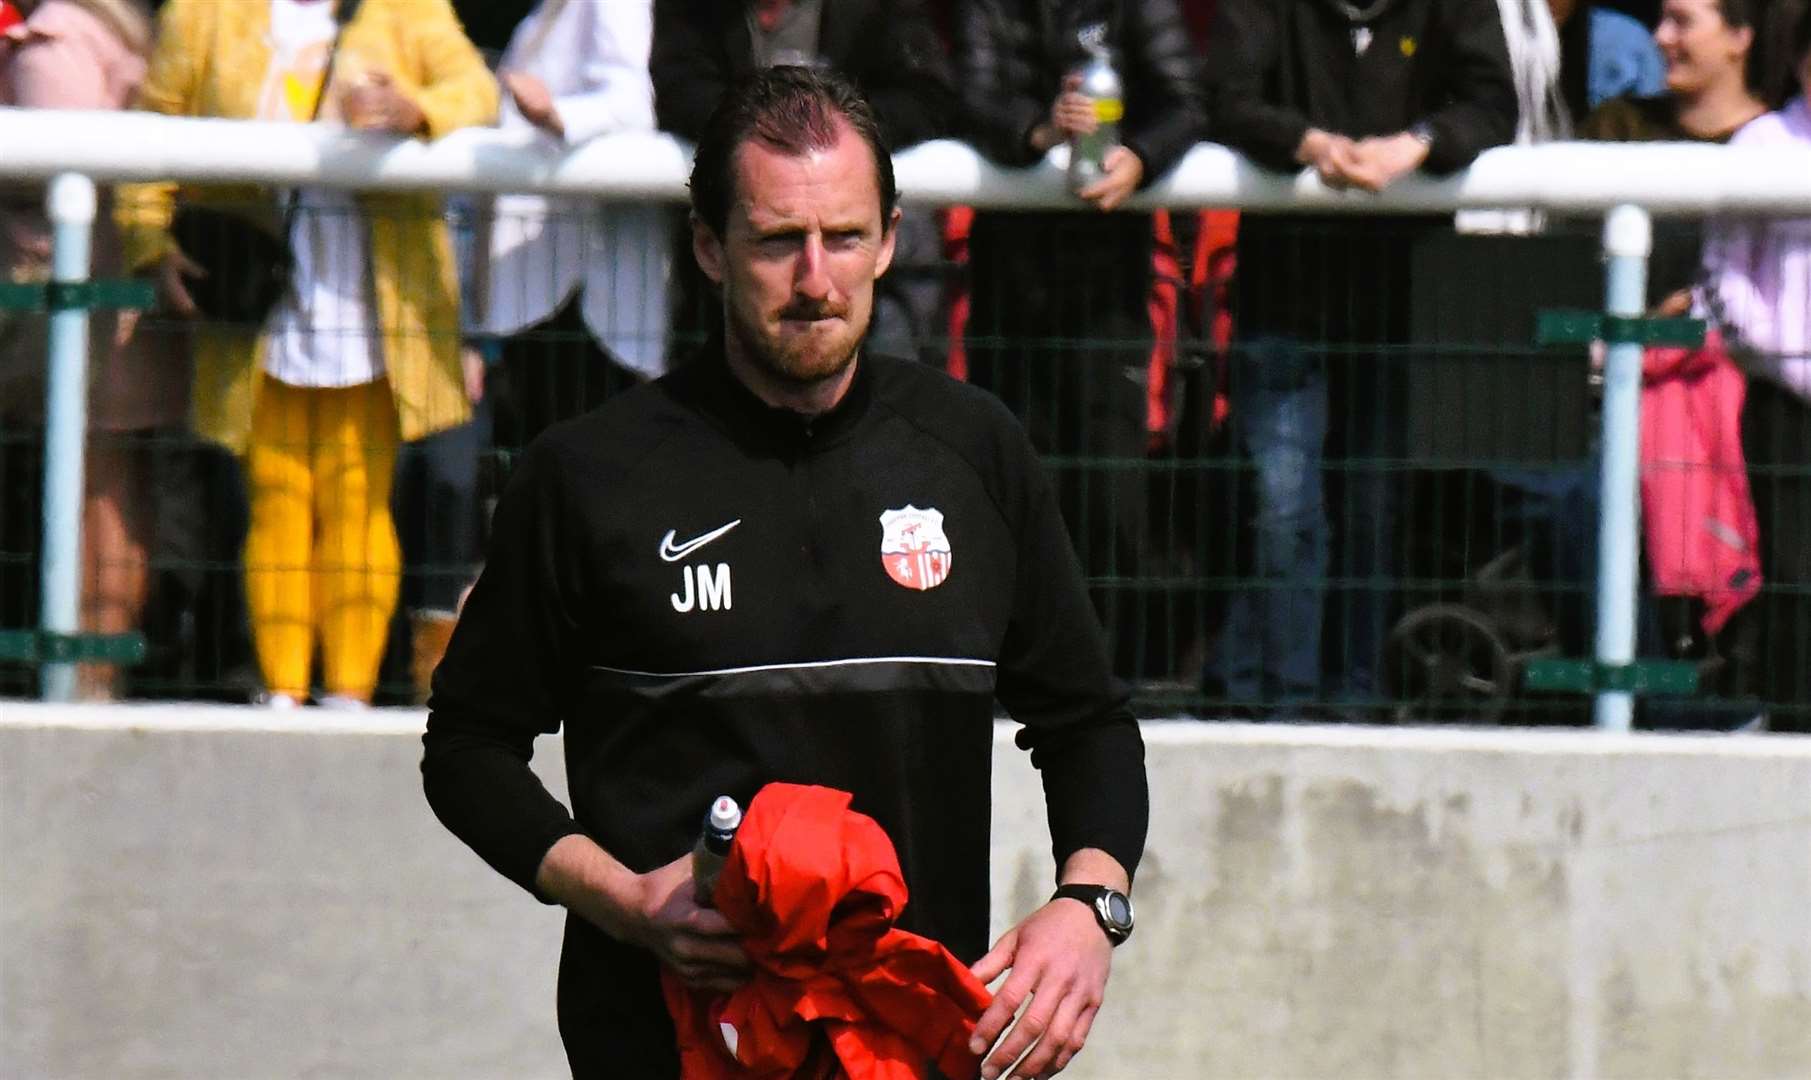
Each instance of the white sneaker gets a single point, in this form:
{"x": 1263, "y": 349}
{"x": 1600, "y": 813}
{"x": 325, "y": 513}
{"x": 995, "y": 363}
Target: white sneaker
{"x": 281, "y": 701}
{"x": 342, "y": 703}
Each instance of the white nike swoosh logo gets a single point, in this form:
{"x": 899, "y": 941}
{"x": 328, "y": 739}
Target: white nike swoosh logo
{"x": 672, "y": 552}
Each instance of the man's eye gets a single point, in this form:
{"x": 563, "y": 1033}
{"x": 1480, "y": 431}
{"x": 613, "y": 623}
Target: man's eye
{"x": 846, "y": 238}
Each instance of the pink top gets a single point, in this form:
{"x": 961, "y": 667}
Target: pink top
{"x": 75, "y": 61}
{"x": 1758, "y": 271}
{"x": 63, "y": 57}
{"x": 66, "y": 57}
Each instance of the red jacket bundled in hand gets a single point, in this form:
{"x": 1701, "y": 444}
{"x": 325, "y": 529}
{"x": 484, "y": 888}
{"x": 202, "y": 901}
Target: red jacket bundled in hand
{"x": 813, "y": 888}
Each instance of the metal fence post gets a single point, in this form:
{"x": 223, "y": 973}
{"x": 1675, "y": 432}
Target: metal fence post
{"x": 1628, "y": 238}
{"x": 71, "y": 205}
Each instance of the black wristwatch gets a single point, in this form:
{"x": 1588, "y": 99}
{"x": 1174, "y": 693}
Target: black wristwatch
{"x": 1112, "y": 908}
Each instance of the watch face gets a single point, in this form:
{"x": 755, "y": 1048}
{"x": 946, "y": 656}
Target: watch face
{"x": 1119, "y": 910}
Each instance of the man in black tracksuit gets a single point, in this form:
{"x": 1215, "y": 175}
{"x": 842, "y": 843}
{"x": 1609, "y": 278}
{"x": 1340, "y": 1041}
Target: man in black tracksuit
{"x": 785, "y": 562}
{"x": 1060, "y": 325}
{"x": 1364, "y": 93}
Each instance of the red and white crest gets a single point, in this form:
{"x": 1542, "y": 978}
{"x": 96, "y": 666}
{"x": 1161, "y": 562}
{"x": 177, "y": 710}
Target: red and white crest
{"x": 913, "y": 547}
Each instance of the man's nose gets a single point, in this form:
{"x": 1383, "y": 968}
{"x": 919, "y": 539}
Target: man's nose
{"x": 813, "y": 277}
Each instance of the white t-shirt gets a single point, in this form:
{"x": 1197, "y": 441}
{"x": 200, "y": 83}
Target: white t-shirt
{"x": 322, "y": 332}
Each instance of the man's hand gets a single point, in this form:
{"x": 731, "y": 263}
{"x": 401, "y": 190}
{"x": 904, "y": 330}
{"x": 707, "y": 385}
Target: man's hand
{"x": 29, "y": 240}
{"x": 1123, "y": 172}
{"x": 1380, "y": 162}
{"x": 375, "y": 104}
{"x": 1332, "y": 157}
{"x": 655, "y": 911}
{"x": 534, "y": 102}
{"x": 1676, "y": 304}
{"x": 1059, "y": 958}
{"x": 170, "y": 274}
{"x": 696, "y": 942}
{"x": 471, "y": 366}
{"x": 1071, "y": 114}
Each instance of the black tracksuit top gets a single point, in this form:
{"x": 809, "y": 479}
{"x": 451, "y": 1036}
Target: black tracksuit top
{"x": 694, "y": 585}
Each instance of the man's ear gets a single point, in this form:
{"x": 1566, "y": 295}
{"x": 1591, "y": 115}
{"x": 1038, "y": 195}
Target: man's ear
{"x": 889, "y": 239}
{"x": 707, "y": 248}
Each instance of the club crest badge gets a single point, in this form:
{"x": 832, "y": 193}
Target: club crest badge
{"x": 913, "y": 547}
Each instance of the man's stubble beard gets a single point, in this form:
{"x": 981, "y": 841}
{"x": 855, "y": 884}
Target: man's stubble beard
{"x": 793, "y": 370}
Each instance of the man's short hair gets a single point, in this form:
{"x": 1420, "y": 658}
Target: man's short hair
{"x": 793, "y": 110}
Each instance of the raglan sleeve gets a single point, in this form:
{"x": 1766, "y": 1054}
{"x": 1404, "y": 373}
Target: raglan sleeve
{"x": 1168, "y": 116}
{"x": 909, "y": 79}
{"x": 455, "y": 89}
{"x": 619, "y": 94}
{"x": 1242, "y": 53}
{"x": 1480, "y": 109}
{"x": 1056, "y": 681}
{"x": 689, "y": 73}
{"x": 999, "y": 114}
{"x": 171, "y": 86}
{"x": 508, "y": 677}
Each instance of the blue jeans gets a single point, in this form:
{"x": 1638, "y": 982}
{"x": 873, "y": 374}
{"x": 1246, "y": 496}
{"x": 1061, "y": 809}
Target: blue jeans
{"x": 1269, "y": 648}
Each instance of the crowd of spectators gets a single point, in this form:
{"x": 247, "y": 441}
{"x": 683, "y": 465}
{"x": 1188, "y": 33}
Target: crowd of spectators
{"x": 416, "y": 334}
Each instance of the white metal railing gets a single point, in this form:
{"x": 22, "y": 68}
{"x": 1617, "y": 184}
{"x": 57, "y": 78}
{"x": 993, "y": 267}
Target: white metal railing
{"x": 1663, "y": 178}
{"x": 1628, "y": 183}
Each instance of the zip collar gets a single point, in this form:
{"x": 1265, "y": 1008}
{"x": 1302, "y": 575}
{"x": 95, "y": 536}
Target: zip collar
{"x": 746, "y": 415}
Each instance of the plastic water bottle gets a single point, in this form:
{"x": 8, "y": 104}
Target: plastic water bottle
{"x": 1100, "y": 83}
{"x": 712, "y": 848}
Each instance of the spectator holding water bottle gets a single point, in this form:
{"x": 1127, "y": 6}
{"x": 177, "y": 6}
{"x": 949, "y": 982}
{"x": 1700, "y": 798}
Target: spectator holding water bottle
{"x": 1059, "y": 327}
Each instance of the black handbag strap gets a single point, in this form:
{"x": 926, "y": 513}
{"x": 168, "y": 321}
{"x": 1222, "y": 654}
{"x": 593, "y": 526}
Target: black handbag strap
{"x": 344, "y": 11}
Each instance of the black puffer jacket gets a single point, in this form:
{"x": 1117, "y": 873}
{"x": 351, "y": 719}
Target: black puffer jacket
{"x": 1011, "y": 56}
{"x": 889, "y": 48}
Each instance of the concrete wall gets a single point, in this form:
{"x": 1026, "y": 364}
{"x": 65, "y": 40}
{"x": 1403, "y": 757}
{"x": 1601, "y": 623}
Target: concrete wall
{"x": 205, "y": 893}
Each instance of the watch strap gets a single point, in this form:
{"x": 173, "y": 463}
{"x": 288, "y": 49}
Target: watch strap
{"x": 1095, "y": 897}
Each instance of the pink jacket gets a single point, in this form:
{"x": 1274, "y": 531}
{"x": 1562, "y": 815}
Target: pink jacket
{"x": 65, "y": 56}
{"x": 1697, "y": 514}
{"x": 76, "y": 61}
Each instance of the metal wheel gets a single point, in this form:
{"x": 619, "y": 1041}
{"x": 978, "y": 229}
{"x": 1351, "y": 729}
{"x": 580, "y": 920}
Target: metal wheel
{"x": 1447, "y": 662}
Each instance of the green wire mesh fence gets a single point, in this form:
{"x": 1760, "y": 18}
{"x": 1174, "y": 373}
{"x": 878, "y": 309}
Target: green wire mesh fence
{"x": 1315, "y": 468}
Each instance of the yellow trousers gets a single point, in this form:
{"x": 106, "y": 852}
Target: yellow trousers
{"x": 322, "y": 554}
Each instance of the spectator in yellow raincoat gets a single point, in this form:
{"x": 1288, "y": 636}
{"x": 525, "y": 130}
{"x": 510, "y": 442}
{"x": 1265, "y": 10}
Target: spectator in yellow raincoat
{"x": 362, "y": 349}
